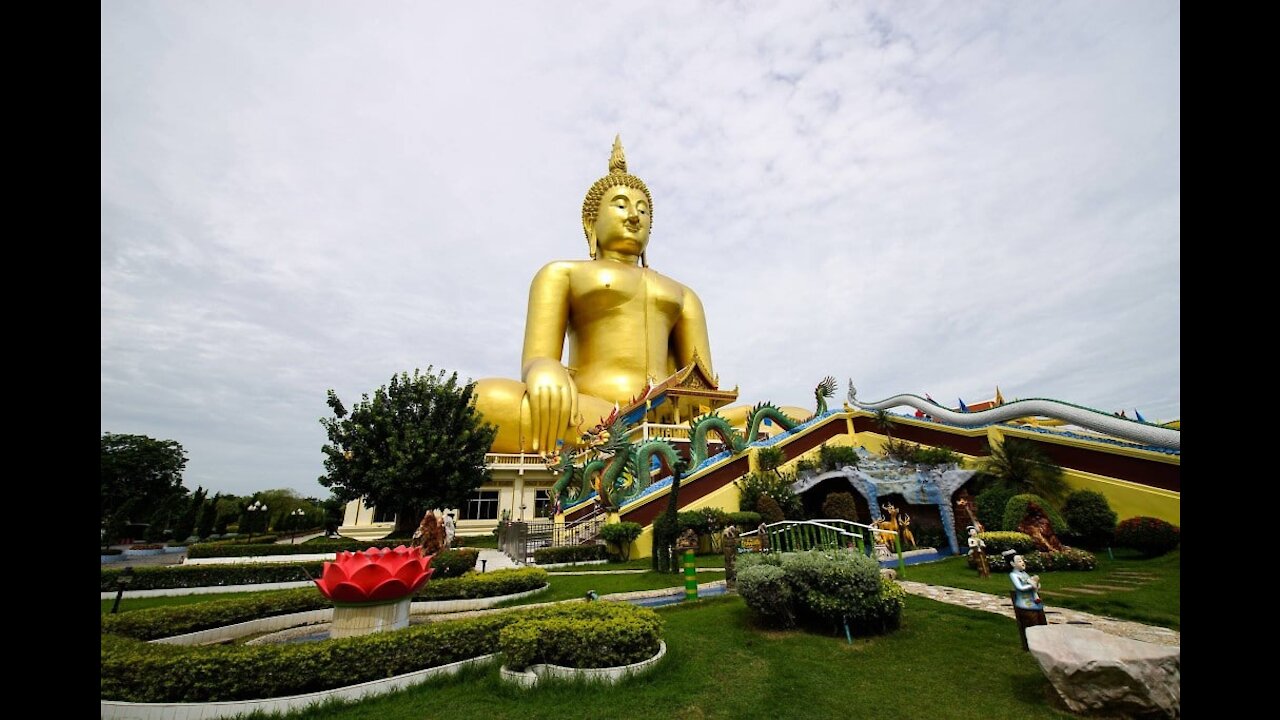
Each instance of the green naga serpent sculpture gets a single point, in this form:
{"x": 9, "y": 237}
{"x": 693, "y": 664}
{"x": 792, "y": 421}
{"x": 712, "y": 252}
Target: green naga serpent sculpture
{"x": 619, "y": 471}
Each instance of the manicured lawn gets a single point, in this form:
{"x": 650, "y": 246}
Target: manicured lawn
{"x": 127, "y": 603}
{"x": 1155, "y": 601}
{"x": 945, "y": 662}
{"x": 566, "y": 587}
{"x": 713, "y": 560}
{"x": 478, "y": 541}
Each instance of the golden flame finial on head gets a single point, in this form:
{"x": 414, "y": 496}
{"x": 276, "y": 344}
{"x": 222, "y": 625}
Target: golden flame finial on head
{"x": 618, "y": 175}
{"x": 617, "y": 158}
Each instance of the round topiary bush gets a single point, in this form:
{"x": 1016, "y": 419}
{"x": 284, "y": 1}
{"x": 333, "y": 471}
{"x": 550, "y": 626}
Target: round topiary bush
{"x": 821, "y": 590}
{"x": 1092, "y": 521}
{"x": 1016, "y": 509}
{"x": 840, "y": 505}
{"x": 770, "y": 511}
{"x": 1150, "y": 536}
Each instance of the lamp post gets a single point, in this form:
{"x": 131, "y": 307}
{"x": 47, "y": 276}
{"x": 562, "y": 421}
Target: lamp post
{"x": 252, "y": 510}
{"x": 299, "y": 514}
{"x": 122, "y": 580}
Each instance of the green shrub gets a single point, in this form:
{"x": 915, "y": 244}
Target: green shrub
{"x": 834, "y": 457}
{"x": 569, "y": 554}
{"x": 1092, "y": 521}
{"x": 622, "y": 534}
{"x": 256, "y": 539}
{"x": 1148, "y": 535}
{"x": 483, "y": 585}
{"x": 998, "y": 542}
{"x": 769, "y": 511}
{"x": 804, "y": 465}
{"x": 265, "y": 548}
{"x": 765, "y": 590}
{"x": 820, "y": 590}
{"x": 770, "y": 458}
{"x": 840, "y": 505}
{"x": 1016, "y": 509}
{"x": 745, "y": 520}
{"x": 192, "y": 576}
{"x": 161, "y": 622}
{"x": 990, "y": 504}
{"x": 587, "y": 635}
{"x": 454, "y": 563}
{"x": 135, "y": 671}
{"x": 755, "y": 485}
{"x": 1068, "y": 559}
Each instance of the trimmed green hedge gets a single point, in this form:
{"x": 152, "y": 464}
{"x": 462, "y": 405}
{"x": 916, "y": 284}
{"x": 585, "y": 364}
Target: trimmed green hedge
{"x": 1148, "y": 535}
{"x": 135, "y": 671}
{"x": 746, "y": 520}
{"x": 316, "y": 545}
{"x": 998, "y": 542}
{"x": 1068, "y": 559}
{"x": 593, "y": 635}
{"x": 570, "y": 553}
{"x": 482, "y": 585}
{"x": 162, "y": 622}
{"x": 447, "y": 564}
{"x": 579, "y": 635}
{"x": 454, "y": 563}
{"x": 191, "y": 576}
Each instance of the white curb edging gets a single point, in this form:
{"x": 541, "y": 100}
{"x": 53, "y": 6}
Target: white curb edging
{"x": 612, "y": 675}
{"x": 548, "y": 566}
{"x": 208, "y": 590}
{"x": 120, "y": 710}
{"x": 260, "y": 559}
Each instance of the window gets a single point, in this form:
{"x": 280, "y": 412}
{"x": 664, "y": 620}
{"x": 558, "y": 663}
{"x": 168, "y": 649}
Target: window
{"x": 382, "y": 515}
{"x": 541, "y": 503}
{"x": 482, "y": 505}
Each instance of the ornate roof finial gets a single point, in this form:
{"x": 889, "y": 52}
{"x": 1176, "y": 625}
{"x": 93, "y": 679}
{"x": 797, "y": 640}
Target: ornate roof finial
{"x": 617, "y": 159}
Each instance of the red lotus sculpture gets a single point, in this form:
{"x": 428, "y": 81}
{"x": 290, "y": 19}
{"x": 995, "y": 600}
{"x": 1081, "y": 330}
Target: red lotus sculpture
{"x": 376, "y": 575}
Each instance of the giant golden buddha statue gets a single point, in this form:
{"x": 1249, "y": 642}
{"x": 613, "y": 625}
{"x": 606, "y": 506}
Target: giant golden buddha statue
{"x": 627, "y": 326}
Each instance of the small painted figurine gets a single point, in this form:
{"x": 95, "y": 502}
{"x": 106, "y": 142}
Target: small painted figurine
{"x": 1026, "y": 587}
{"x": 977, "y": 552}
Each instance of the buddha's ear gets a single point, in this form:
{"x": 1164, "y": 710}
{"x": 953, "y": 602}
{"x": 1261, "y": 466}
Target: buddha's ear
{"x": 592, "y": 245}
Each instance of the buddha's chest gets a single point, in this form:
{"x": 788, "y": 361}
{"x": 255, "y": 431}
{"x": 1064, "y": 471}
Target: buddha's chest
{"x": 622, "y": 292}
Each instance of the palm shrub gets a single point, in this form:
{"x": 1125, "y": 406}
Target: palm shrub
{"x": 840, "y": 505}
{"x": 1092, "y": 521}
{"x": 1021, "y": 465}
{"x": 1148, "y": 535}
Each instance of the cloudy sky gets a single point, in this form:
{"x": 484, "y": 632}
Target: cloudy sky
{"x": 923, "y": 197}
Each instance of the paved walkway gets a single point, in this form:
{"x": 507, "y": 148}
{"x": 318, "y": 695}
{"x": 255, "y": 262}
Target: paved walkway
{"x": 492, "y": 560}
{"x": 1056, "y": 615}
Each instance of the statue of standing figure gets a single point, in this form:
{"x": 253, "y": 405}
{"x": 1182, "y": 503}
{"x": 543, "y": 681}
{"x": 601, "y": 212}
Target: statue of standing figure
{"x": 729, "y": 545}
{"x": 1027, "y": 606}
{"x": 978, "y": 552}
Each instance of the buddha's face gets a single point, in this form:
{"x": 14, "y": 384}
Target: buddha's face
{"x": 622, "y": 221}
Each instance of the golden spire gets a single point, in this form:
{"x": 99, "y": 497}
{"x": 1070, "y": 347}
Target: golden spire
{"x": 617, "y": 159}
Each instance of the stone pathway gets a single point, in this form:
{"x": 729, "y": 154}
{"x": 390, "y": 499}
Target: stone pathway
{"x": 492, "y": 560}
{"x": 1056, "y": 615}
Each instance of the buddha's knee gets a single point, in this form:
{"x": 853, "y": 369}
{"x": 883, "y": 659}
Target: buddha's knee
{"x": 501, "y": 402}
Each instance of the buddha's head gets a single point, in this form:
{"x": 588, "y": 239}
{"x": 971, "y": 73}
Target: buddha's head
{"x": 618, "y": 210}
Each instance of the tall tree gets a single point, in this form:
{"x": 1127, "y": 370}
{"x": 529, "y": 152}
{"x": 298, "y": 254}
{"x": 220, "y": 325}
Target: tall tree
{"x": 208, "y": 514}
{"x": 187, "y": 520}
{"x": 418, "y": 443}
{"x": 140, "y": 475}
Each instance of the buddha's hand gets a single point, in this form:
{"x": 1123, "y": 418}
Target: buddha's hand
{"x": 553, "y": 402}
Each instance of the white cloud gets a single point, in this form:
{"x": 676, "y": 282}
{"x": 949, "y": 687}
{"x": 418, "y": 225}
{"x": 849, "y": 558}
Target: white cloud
{"x": 298, "y": 196}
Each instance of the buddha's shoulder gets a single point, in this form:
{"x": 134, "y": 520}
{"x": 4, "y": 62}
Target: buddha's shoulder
{"x": 562, "y": 267}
